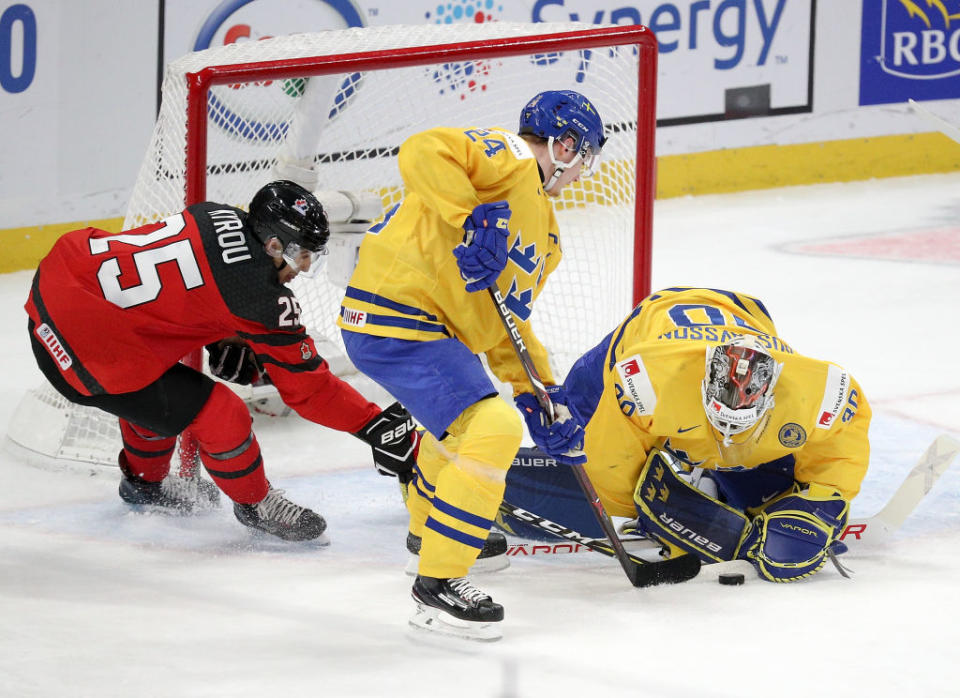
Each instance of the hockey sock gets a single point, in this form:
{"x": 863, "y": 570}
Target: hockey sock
{"x": 145, "y": 454}
{"x": 469, "y": 489}
{"x": 228, "y": 447}
{"x": 431, "y": 459}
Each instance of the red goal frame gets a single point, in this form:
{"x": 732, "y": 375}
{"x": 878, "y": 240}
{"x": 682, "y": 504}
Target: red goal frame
{"x": 199, "y": 83}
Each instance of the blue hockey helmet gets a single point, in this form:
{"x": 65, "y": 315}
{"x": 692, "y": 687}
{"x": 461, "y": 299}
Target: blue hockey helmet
{"x": 562, "y": 115}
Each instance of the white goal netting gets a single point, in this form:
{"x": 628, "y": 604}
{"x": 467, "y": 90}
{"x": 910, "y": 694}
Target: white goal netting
{"x": 331, "y": 109}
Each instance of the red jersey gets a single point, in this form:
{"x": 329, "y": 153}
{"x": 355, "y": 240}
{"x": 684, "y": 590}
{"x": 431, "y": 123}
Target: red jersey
{"x": 117, "y": 311}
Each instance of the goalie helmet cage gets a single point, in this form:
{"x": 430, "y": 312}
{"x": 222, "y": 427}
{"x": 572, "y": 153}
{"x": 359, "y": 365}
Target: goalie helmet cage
{"x": 331, "y": 109}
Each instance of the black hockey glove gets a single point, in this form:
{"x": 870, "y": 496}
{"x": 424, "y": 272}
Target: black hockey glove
{"x": 393, "y": 436}
{"x": 233, "y": 362}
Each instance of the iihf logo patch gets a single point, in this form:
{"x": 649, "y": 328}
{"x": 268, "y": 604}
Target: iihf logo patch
{"x": 301, "y": 206}
{"x": 53, "y": 345}
{"x": 792, "y": 435}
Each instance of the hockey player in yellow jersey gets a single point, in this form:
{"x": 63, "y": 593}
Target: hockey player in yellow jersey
{"x": 476, "y": 213}
{"x": 714, "y": 432}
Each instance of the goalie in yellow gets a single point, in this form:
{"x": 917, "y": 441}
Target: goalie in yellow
{"x": 476, "y": 214}
{"x": 714, "y": 433}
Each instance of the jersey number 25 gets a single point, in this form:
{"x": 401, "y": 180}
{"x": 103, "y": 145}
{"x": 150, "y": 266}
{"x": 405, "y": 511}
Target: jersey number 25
{"x": 146, "y": 261}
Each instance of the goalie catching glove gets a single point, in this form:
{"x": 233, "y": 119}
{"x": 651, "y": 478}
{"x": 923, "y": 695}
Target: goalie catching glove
{"x": 563, "y": 438}
{"x": 790, "y": 538}
{"x": 786, "y": 542}
{"x": 395, "y": 441}
{"x": 483, "y": 254}
{"x": 233, "y": 361}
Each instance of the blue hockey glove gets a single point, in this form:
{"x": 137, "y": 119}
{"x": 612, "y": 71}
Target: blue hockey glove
{"x": 563, "y": 439}
{"x": 789, "y": 539}
{"x": 483, "y": 254}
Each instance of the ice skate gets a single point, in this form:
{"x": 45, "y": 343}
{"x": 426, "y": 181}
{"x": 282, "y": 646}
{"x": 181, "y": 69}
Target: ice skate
{"x": 179, "y": 494}
{"x": 455, "y": 607}
{"x": 492, "y": 557}
{"x": 280, "y": 517}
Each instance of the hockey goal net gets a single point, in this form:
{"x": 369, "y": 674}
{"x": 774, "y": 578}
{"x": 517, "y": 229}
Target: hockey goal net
{"x": 331, "y": 109}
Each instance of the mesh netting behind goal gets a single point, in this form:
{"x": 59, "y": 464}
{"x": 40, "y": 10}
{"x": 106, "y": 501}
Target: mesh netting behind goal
{"x": 331, "y": 110}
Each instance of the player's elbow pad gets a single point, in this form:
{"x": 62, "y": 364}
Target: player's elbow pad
{"x": 790, "y": 538}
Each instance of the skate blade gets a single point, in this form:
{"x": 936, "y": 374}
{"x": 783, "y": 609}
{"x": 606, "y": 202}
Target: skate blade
{"x": 433, "y": 620}
{"x": 265, "y": 537}
{"x": 481, "y": 566}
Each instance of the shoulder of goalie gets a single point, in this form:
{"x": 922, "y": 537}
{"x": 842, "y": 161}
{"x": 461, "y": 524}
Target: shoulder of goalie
{"x": 395, "y": 441}
{"x": 786, "y": 542}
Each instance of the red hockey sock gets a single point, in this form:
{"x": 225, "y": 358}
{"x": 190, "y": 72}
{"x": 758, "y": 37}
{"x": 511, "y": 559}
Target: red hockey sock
{"x": 228, "y": 448}
{"x": 145, "y": 454}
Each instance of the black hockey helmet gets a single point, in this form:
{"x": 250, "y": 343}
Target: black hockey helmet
{"x": 288, "y": 212}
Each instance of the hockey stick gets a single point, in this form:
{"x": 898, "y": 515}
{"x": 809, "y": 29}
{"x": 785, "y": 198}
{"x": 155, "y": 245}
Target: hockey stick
{"x": 919, "y": 481}
{"x": 644, "y": 573}
{"x": 631, "y": 566}
{"x": 948, "y": 129}
{"x": 874, "y": 529}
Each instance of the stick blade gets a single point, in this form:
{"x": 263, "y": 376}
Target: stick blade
{"x": 671, "y": 571}
{"x": 933, "y": 463}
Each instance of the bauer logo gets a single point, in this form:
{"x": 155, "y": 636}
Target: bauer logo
{"x": 909, "y": 49}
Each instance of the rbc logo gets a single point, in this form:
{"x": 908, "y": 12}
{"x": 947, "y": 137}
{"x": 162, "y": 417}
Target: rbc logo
{"x": 920, "y": 40}
{"x": 910, "y": 49}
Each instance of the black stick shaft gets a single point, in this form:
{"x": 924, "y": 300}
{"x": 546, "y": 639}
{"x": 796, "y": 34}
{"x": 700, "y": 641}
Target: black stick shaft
{"x": 540, "y": 391}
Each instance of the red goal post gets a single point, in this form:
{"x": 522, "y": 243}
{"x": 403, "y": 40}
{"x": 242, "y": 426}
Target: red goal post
{"x": 199, "y": 84}
{"x": 333, "y": 108}
{"x": 336, "y": 105}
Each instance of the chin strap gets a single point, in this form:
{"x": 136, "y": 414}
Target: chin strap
{"x": 559, "y": 167}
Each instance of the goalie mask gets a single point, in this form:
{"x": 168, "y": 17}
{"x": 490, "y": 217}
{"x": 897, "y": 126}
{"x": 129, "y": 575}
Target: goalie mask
{"x": 738, "y": 384}
{"x": 569, "y": 118}
{"x": 288, "y": 212}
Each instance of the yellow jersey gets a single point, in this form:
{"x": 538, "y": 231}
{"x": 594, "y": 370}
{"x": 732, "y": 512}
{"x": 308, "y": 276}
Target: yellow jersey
{"x": 407, "y": 283}
{"x": 653, "y": 369}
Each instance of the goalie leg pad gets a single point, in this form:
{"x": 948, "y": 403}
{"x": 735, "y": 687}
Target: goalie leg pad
{"x": 790, "y": 538}
{"x": 679, "y": 515}
{"x": 537, "y": 483}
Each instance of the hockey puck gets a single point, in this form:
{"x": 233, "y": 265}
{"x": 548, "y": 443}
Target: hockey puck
{"x": 731, "y": 579}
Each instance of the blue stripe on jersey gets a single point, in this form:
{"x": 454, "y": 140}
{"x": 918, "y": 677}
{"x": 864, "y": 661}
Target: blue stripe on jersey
{"x": 454, "y": 534}
{"x": 375, "y": 299}
{"x": 616, "y": 342}
{"x": 731, "y": 295}
{"x": 420, "y": 478}
{"x": 425, "y": 495}
{"x": 461, "y": 514}
{"x": 409, "y": 323}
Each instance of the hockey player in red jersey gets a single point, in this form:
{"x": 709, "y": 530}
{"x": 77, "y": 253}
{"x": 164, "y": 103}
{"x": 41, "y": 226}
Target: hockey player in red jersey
{"x": 110, "y": 316}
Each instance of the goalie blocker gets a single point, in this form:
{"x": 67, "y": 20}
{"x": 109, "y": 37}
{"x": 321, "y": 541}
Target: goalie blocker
{"x": 787, "y": 540}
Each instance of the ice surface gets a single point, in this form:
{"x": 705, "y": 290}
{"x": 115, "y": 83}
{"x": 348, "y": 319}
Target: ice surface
{"x": 98, "y": 601}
